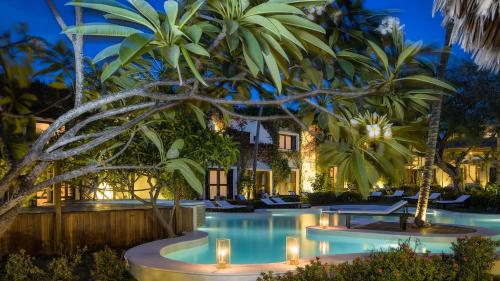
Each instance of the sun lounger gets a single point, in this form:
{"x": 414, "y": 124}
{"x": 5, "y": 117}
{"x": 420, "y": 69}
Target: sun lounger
{"x": 414, "y": 197}
{"x": 460, "y": 201}
{"x": 241, "y": 197}
{"x": 283, "y": 202}
{"x": 227, "y": 205}
{"x": 432, "y": 197}
{"x": 223, "y": 207}
{"x": 393, "y": 210}
{"x": 270, "y": 203}
{"x": 375, "y": 195}
{"x": 396, "y": 194}
{"x": 292, "y": 193}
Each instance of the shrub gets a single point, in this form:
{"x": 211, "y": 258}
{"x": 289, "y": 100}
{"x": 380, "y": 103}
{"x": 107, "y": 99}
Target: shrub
{"x": 21, "y": 267}
{"x": 108, "y": 266}
{"x": 472, "y": 259}
{"x": 322, "y": 183}
{"x": 63, "y": 268}
{"x": 321, "y": 198}
{"x": 474, "y": 256}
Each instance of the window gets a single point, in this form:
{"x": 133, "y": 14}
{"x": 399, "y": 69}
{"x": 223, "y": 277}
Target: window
{"x": 217, "y": 182}
{"x": 288, "y": 142}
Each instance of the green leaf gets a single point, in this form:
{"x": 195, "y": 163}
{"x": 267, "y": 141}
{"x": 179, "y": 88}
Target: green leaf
{"x": 155, "y": 138}
{"x": 273, "y": 69}
{"x": 407, "y": 53}
{"x": 273, "y": 8}
{"x": 380, "y": 54}
{"x": 188, "y": 174}
{"x": 200, "y": 115}
{"x": 109, "y": 69}
{"x": 147, "y": 11}
{"x": 429, "y": 80}
{"x": 102, "y": 29}
{"x": 106, "y": 53}
{"x": 275, "y": 45}
{"x": 299, "y": 22}
{"x": 114, "y": 12}
{"x": 194, "y": 33}
{"x": 254, "y": 69}
{"x": 171, "y": 9}
{"x": 313, "y": 41}
{"x": 187, "y": 15}
{"x": 196, "y": 49}
{"x": 133, "y": 45}
{"x": 347, "y": 67}
{"x": 264, "y": 22}
{"x": 191, "y": 65}
{"x": 175, "y": 148}
{"x": 286, "y": 33}
{"x": 253, "y": 48}
{"x": 172, "y": 54}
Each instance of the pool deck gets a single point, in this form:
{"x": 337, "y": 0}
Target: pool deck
{"x": 147, "y": 262}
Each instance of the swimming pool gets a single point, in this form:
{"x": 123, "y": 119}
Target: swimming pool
{"x": 260, "y": 237}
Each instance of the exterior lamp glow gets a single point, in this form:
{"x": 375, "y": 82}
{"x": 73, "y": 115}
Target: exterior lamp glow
{"x": 223, "y": 252}
{"x": 324, "y": 220}
{"x": 373, "y": 131}
{"x": 335, "y": 219}
{"x": 292, "y": 250}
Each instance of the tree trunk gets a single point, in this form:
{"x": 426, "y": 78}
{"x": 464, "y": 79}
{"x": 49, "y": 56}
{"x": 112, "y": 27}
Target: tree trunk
{"x": 497, "y": 165}
{"x": 255, "y": 153}
{"x": 421, "y": 211}
{"x": 78, "y": 50}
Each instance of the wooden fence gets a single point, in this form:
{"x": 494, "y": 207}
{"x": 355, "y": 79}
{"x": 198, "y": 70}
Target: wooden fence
{"x": 92, "y": 225}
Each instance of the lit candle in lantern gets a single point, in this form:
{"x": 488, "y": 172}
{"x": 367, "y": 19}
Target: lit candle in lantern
{"x": 324, "y": 247}
{"x": 324, "y": 220}
{"x": 292, "y": 250}
{"x": 223, "y": 252}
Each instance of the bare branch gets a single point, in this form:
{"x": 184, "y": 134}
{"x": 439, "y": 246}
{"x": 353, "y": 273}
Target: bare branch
{"x": 58, "y": 18}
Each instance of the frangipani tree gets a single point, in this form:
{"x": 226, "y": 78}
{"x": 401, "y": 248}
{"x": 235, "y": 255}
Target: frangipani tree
{"x": 370, "y": 149}
{"x": 286, "y": 63}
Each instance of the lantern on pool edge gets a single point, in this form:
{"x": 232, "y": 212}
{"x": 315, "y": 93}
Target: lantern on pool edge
{"x": 223, "y": 252}
{"x": 292, "y": 250}
{"x": 324, "y": 220}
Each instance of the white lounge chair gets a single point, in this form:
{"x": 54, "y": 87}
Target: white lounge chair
{"x": 396, "y": 194}
{"x": 434, "y": 196}
{"x": 292, "y": 193}
{"x": 373, "y": 211}
{"x": 414, "y": 197}
{"x": 241, "y": 197}
{"x": 283, "y": 202}
{"x": 375, "y": 195}
{"x": 461, "y": 200}
{"x": 227, "y": 205}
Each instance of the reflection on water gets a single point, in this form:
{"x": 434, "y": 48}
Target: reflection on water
{"x": 261, "y": 238}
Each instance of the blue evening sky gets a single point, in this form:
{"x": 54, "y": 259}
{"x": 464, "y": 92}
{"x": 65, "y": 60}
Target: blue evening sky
{"x": 416, "y": 15}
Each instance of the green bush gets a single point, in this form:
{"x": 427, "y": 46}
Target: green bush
{"x": 471, "y": 260}
{"x": 108, "y": 266}
{"x": 474, "y": 256}
{"x": 63, "y": 268}
{"x": 21, "y": 267}
{"x": 322, "y": 183}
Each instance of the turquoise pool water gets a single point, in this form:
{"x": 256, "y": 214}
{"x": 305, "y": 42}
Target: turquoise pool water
{"x": 260, "y": 237}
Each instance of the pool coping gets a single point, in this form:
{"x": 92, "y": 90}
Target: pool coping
{"x": 354, "y": 232}
{"x": 147, "y": 263}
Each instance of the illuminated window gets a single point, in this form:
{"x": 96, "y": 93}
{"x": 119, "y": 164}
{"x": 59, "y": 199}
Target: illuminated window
{"x": 217, "y": 182}
{"x": 287, "y": 142}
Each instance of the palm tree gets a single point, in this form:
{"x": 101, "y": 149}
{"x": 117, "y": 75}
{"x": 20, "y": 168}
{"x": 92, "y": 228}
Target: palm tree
{"x": 476, "y": 25}
{"x": 420, "y": 214}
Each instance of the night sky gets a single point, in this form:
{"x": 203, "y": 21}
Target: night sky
{"x": 416, "y": 15}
